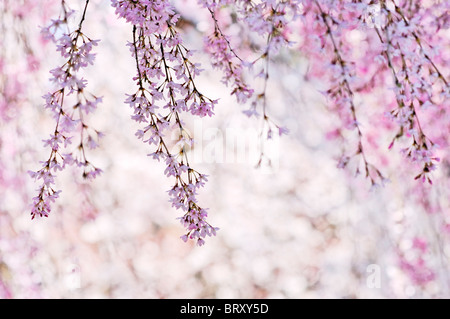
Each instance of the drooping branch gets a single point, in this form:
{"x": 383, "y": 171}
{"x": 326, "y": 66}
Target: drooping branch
{"x": 69, "y": 116}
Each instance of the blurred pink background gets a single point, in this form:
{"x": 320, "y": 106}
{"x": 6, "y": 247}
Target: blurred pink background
{"x": 300, "y": 229}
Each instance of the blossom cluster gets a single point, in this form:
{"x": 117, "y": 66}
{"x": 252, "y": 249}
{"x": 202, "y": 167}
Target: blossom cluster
{"x": 419, "y": 84}
{"x": 268, "y": 20}
{"x": 167, "y": 89}
{"x": 360, "y": 51}
{"x": 70, "y": 103}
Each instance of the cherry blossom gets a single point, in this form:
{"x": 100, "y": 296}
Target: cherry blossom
{"x": 76, "y": 47}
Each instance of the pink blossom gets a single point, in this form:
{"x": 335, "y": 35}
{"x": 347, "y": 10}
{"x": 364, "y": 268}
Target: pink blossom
{"x": 75, "y": 47}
